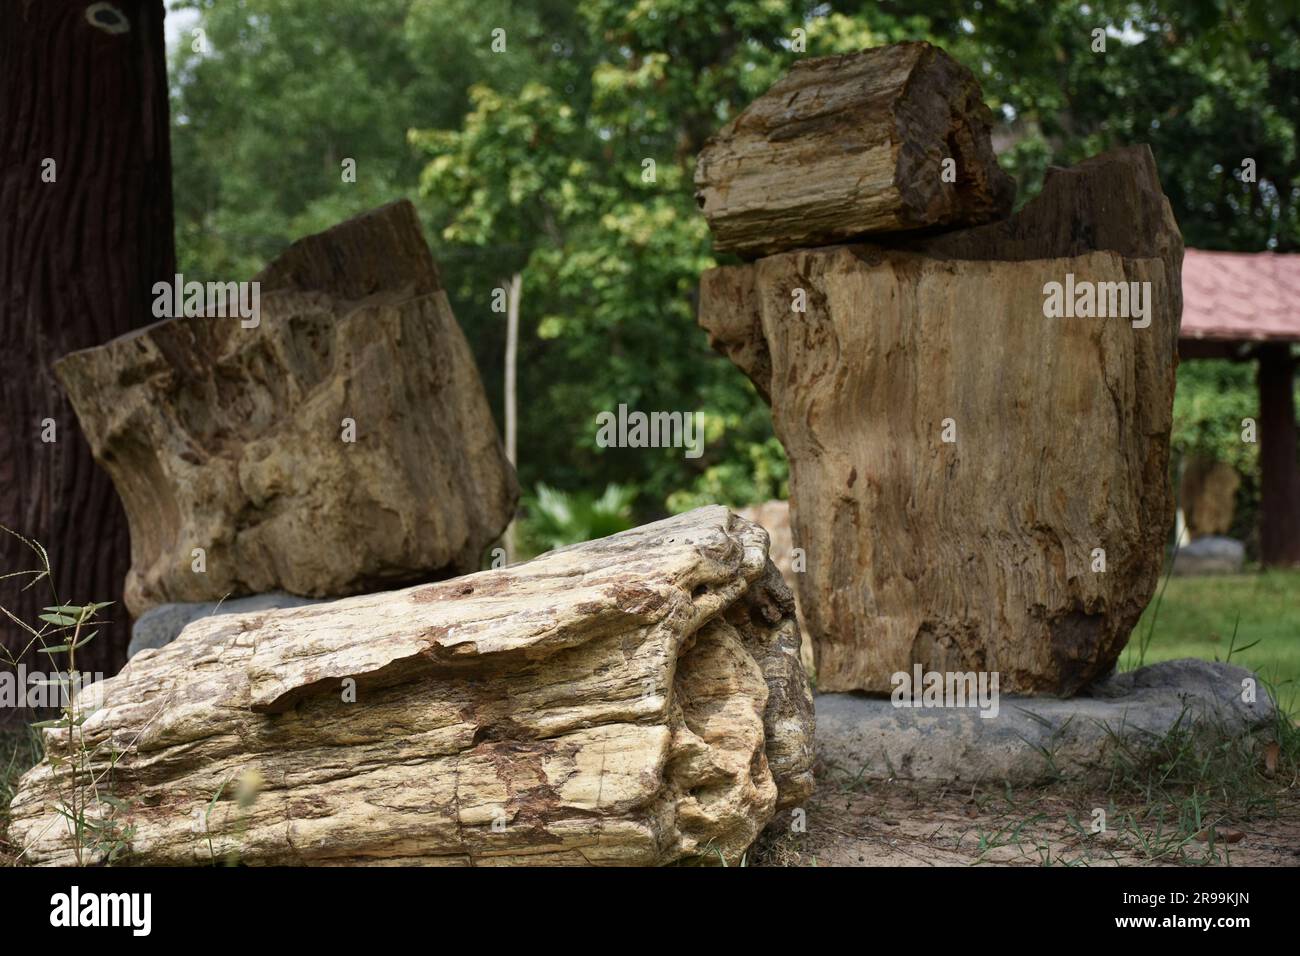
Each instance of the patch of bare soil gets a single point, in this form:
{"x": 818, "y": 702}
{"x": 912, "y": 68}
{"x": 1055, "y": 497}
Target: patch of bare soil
{"x": 903, "y": 824}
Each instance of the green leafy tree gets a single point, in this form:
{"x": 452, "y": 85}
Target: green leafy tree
{"x": 598, "y": 203}
{"x": 533, "y": 159}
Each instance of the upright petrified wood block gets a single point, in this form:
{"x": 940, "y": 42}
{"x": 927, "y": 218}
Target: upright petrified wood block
{"x": 847, "y": 145}
{"x": 236, "y": 440}
{"x": 977, "y": 486}
{"x": 632, "y": 700}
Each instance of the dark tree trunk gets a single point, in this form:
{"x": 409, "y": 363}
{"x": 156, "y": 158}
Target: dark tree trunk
{"x": 1279, "y": 531}
{"x": 78, "y": 259}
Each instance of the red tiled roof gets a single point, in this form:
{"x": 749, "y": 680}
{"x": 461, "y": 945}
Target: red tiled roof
{"x": 1252, "y": 296}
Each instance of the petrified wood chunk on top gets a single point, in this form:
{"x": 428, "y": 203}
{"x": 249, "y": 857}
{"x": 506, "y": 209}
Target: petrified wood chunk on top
{"x": 984, "y": 552}
{"x": 233, "y": 439}
{"x": 632, "y": 700}
{"x": 846, "y": 145}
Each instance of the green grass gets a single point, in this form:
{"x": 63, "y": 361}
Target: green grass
{"x": 1196, "y": 617}
{"x": 19, "y": 749}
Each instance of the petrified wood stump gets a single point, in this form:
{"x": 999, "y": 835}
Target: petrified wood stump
{"x": 343, "y": 444}
{"x": 632, "y": 700}
{"x": 846, "y": 145}
{"x": 977, "y": 486}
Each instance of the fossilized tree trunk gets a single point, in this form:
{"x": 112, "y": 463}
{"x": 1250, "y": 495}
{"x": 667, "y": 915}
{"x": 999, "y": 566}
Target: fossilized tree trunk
{"x": 961, "y": 465}
{"x": 632, "y": 700}
{"x": 341, "y": 445}
{"x": 846, "y": 145}
{"x": 85, "y": 231}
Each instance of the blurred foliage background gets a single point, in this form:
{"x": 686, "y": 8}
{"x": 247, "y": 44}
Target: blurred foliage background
{"x": 533, "y": 159}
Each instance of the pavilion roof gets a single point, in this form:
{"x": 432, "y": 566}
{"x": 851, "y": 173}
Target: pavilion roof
{"x": 1241, "y": 296}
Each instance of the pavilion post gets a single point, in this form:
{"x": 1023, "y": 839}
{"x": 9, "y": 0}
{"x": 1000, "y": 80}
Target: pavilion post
{"x": 1279, "y": 536}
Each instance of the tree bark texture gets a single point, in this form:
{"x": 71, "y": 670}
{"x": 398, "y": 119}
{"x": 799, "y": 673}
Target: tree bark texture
{"x": 78, "y": 258}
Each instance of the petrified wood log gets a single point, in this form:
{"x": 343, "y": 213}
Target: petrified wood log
{"x": 236, "y": 440}
{"x": 977, "y": 486}
{"x": 632, "y": 700}
{"x": 847, "y": 145}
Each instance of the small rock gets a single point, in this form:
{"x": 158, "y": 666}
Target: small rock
{"x": 159, "y": 626}
{"x": 1219, "y": 835}
{"x": 1214, "y": 554}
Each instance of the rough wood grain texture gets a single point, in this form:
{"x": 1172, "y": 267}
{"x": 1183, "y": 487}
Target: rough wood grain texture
{"x": 847, "y": 145}
{"x": 976, "y": 554}
{"x": 632, "y": 700}
{"x": 231, "y": 439}
{"x": 79, "y": 254}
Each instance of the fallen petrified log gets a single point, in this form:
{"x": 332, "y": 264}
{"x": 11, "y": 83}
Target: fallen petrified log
{"x": 893, "y": 138}
{"x": 977, "y": 486}
{"x": 342, "y": 445}
{"x": 632, "y": 700}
